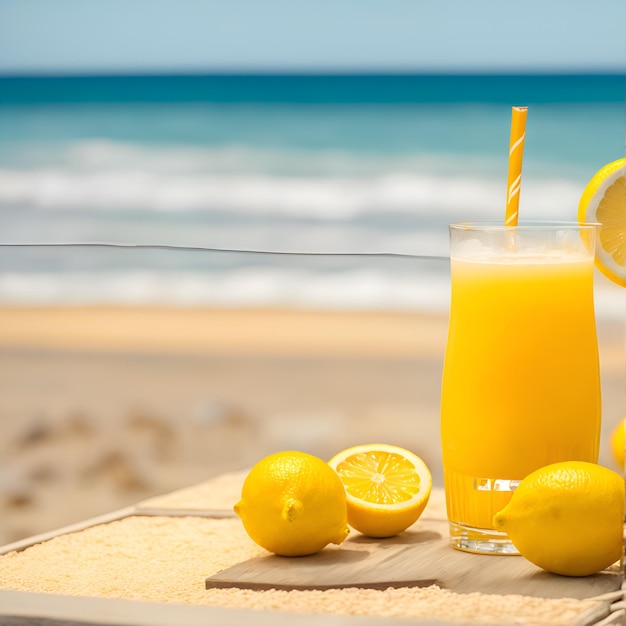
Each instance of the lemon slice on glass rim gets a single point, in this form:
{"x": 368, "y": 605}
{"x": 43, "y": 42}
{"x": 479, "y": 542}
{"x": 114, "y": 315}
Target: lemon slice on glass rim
{"x": 604, "y": 202}
{"x": 387, "y": 487}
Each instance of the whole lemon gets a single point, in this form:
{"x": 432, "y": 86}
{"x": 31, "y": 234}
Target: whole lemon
{"x": 293, "y": 504}
{"x": 618, "y": 442}
{"x": 567, "y": 518}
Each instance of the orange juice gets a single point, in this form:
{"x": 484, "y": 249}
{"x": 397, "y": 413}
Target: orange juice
{"x": 521, "y": 378}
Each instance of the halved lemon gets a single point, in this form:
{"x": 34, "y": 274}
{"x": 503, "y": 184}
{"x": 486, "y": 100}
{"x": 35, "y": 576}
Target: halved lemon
{"x": 387, "y": 487}
{"x": 604, "y": 201}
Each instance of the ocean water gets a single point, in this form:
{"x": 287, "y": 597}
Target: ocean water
{"x": 342, "y": 185}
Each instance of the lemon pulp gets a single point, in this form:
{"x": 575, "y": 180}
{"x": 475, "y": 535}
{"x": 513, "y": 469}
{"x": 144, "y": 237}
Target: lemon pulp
{"x": 380, "y": 477}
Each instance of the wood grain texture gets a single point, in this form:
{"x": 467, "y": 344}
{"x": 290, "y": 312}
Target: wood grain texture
{"x": 414, "y": 559}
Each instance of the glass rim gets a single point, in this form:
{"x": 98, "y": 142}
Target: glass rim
{"x": 524, "y": 225}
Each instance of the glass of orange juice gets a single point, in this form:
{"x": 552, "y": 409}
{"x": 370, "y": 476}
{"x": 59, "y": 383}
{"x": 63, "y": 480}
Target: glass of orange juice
{"x": 521, "y": 384}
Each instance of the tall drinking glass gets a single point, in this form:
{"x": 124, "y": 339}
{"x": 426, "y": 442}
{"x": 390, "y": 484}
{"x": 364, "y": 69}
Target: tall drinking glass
{"x": 521, "y": 384}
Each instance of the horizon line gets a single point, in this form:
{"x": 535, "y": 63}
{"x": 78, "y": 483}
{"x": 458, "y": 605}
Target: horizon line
{"x": 313, "y": 72}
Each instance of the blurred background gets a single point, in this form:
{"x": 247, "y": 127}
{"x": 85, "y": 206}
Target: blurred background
{"x": 353, "y": 127}
{"x": 346, "y": 134}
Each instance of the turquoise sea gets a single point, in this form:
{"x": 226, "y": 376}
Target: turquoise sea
{"x": 363, "y": 168}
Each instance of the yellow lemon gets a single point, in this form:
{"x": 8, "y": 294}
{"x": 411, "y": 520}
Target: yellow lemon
{"x": 567, "y": 518}
{"x": 387, "y": 487}
{"x": 604, "y": 201}
{"x": 293, "y": 504}
{"x": 618, "y": 442}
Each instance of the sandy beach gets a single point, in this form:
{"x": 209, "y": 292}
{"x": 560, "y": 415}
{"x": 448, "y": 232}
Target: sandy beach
{"x": 102, "y": 407}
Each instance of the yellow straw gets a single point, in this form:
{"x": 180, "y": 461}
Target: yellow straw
{"x": 516, "y": 152}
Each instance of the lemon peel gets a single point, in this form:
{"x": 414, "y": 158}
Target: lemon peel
{"x": 567, "y": 518}
{"x": 293, "y": 504}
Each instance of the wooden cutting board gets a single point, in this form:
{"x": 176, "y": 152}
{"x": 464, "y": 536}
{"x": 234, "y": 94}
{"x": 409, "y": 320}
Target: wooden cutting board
{"x": 414, "y": 559}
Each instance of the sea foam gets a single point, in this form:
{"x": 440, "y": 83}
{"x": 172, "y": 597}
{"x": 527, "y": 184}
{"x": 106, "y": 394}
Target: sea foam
{"x": 327, "y": 185}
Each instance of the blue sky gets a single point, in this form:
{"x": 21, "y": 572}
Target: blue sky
{"x": 84, "y": 36}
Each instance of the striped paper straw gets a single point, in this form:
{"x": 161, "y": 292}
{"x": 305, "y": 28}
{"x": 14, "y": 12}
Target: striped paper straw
{"x": 516, "y": 152}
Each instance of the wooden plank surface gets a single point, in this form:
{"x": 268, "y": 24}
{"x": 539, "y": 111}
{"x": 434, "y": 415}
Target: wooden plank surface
{"x": 415, "y": 559}
{"x": 21, "y": 608}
